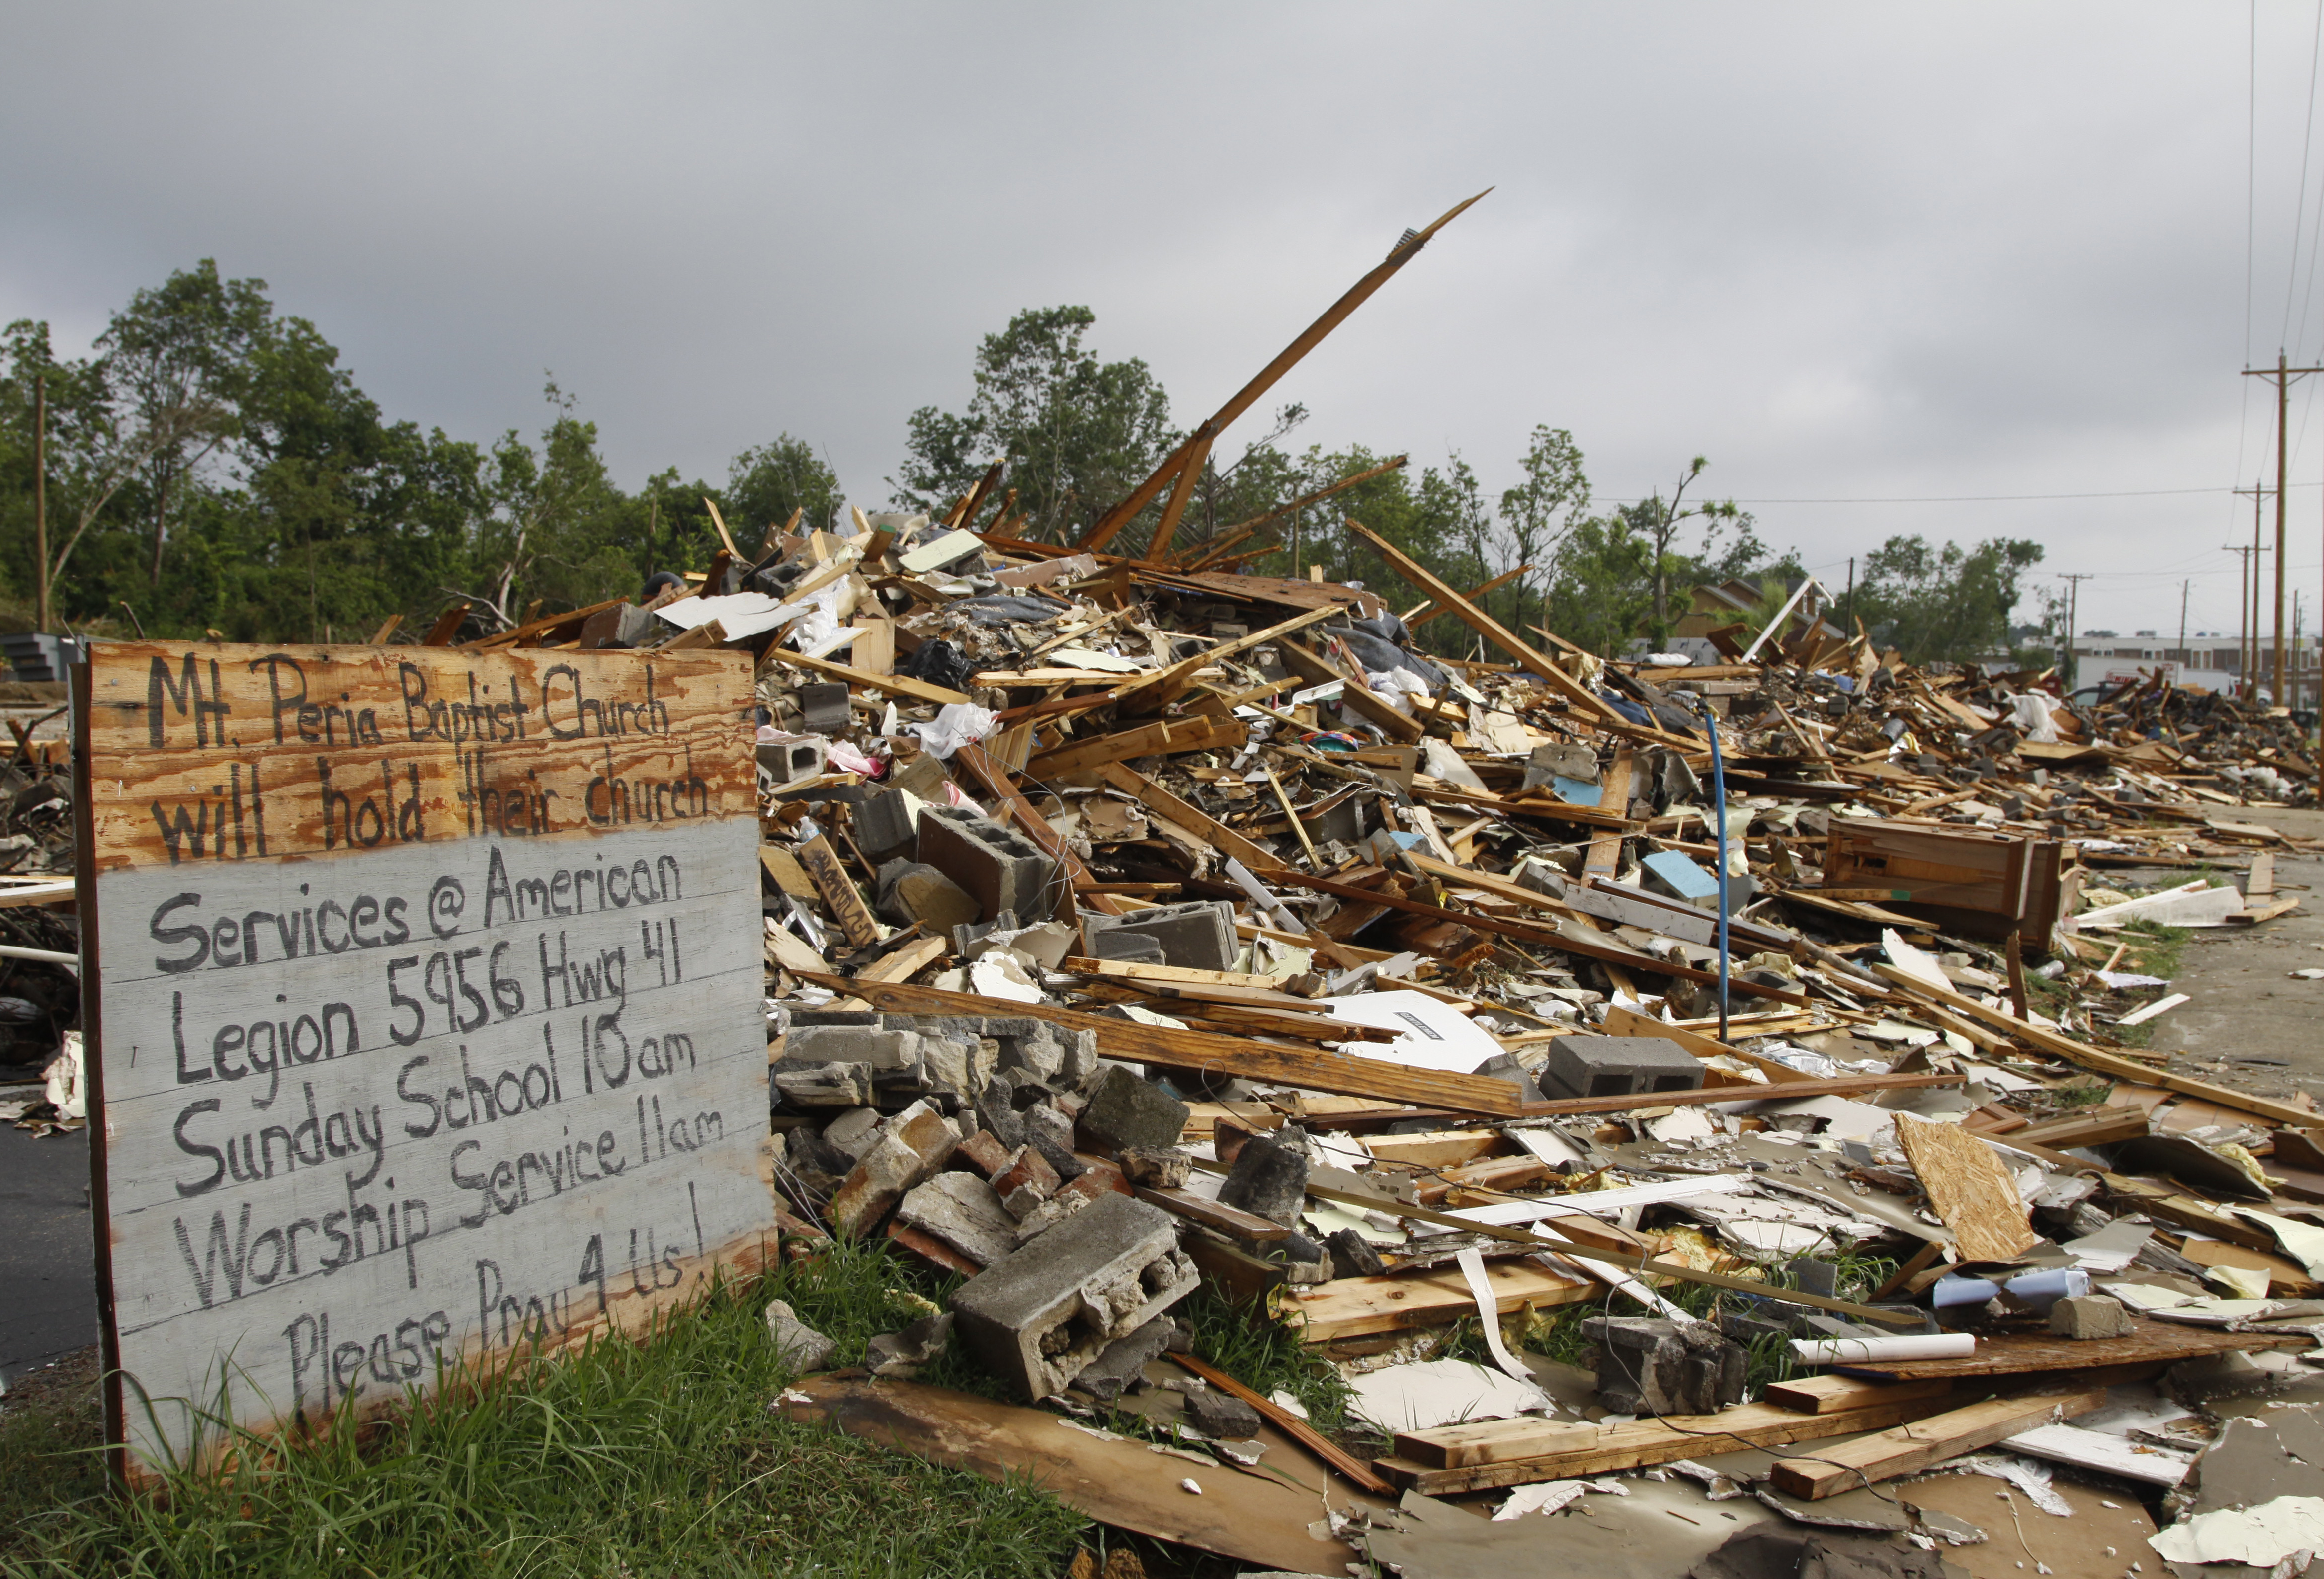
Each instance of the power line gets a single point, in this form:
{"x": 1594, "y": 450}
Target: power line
{"x": 2007, "y": 498}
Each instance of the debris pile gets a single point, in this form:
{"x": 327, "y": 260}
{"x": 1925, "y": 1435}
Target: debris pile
{"x": 1133, "y": 928}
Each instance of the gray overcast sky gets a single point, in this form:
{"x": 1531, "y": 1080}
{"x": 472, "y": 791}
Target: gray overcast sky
{"x": 1847, "y": 251}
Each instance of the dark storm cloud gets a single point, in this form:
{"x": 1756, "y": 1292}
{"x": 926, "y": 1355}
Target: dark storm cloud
{"x": 1844, "y": 252}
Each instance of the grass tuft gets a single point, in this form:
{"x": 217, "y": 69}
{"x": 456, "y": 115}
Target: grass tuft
{"x": 626, "y": 1458}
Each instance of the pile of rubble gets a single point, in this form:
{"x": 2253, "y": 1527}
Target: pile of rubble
{"x": 1134, "y": 928}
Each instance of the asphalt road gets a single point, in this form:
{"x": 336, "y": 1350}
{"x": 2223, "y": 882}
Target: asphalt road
{"x": 49, "y": 1307}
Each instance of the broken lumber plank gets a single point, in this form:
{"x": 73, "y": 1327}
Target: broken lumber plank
{"x": 1790, "y": 1090}
{"x": 893, "y": 685}
{"x": 1132, "y": 1042}
{"x": 1164, "y": 734}
{"x": 1825, "y": 1395}
{"x": 518, "y": 635}
{"x": 1564, "y": 1449}
{"x": 1350, "y": 1308}
{"x": 1228, "y": 1220}
{"x": 1341, "y": 1462}
{"x": 856, "y": 919}
{"x": 1901, "y": 1450}
{"x": 1569, "y": 939}
{"x": 1129, "y": 970}
{"x": 2074, "y": 1052}
{"x": 1604, "y": 858}
{"x": 2151, "y": 1343}
{"x": 2101, "y": 1127}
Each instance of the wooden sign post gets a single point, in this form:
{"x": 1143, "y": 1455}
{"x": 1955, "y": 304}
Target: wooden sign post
{"x": 423, "y": 996}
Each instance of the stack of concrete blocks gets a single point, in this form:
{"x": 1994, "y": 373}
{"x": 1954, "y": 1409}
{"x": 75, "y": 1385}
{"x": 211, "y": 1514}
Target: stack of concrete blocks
{"x": 999, "y": 868}
{"x": 1617, "y": 1066}
{"x": 905, "y": 1057}
{"x": 1197, "y": 936}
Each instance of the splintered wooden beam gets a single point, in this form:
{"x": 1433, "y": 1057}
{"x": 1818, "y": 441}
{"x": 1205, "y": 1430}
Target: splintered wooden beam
{"x": 1190, "y": 472}
{"x": 1147, "y": 693}
{"x": 1186, "y": 815}
{"x": 1510, "y": 643}
{"x": 893, "y": 685}
{"x": 1211, "y": 552}
{"x": 1431, "y": 609}
{"x": 2074, "y": 1052}
{"x": 1404, "y": 252}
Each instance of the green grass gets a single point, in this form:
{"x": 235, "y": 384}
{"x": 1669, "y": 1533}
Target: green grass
{"x": 659, "y": 1458}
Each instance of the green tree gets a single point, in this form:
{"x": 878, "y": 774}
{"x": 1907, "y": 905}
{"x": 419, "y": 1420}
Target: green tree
{"x": 1948, "y": 603}
{"x": 1077, "y": 433}
{"x": 765, "y": 484}
{"x": 180, "y": 359}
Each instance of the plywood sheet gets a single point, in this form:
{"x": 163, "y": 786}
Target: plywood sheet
{"x": 1968, "y": 1188}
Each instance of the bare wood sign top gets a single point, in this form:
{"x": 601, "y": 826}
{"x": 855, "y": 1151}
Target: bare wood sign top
{"x": 424, "y": 986}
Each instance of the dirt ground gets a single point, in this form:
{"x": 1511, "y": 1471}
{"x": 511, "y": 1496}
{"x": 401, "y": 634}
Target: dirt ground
{"x": 2250, "y": 1025}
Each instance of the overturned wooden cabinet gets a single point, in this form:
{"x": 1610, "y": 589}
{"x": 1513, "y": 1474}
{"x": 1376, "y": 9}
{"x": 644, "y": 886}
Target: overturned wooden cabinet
{"x": 1964, "y": 880}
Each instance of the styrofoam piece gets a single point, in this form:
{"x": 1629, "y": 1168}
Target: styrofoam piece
{"x": 1908, "y": 1346}
{"x": 1432, "y": 1035}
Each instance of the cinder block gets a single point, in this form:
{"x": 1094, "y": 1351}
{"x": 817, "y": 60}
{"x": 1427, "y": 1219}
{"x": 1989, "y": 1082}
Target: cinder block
{"x": 1125, "y": 1359}
{"x": 1041, "y": 1314}
{"x": 962, "y": 1211}
{"x": 1125, "y": 1110}
{"x": 1653, "y": 1366}
{"x": 1116, "y": 943}
{"x": 823, "y": 707}
{"x": 1001, "y": 868}
{"x": 819, "y": 1086}
{"x": 625, "y": 625}
{"x": 887, "y": 823}
{"x": 1617, "y": 1066}
{"x": 1197, "y": 936}
{"x": 789, "y": 760}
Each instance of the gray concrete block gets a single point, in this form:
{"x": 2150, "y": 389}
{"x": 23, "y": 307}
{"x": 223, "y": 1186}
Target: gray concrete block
{"x": 787, "y": 762}
{"x": 1043, "y": 1313}
{"x": 887, "y": 825}
{"x": 853, "y": 1044}
{"x": 1220, "y": 1415}
{"x": 853, "y": 1131}
{"x": 865, "y": 1197}
{"x": 999, "y": 867}
{"x": 1268, "y": 1180}
{"x": 822, "y": 1086}
{"x": 1617, "y": 1066}
{"x": 2089, "y": 1316}
{"x": 1353, "y": 1256}
{"x": 1116, "y": 943}
{"x": 823, "y": 707}
{"x": 1125, "y": 1110}
{"x": 1199, "y": 935}
{"x": 1125, "y": 1360}
{"x": 1655, "y": 1367}
{"x": 956, "y": 1065}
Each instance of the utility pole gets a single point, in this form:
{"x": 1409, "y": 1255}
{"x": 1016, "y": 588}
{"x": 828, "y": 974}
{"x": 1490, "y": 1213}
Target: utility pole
{"x": 2248, "y": 599}
{"x": 2281, "y": 376}
{"x": 2073, "y": 623}
{"x": 41, "y": 497}
{"x": 2244, "y": 553}
{"x": 2184, "y": 665}
{"x": 1850, "y": 616}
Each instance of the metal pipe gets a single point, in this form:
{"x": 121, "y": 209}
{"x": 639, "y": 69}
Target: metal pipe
{"x": 43, "y": 956}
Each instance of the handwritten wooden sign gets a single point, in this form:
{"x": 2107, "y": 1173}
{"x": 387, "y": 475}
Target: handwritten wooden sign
{"x": 424, "y": 986}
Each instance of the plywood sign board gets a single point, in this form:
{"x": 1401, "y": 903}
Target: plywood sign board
{"x": 426, "y": 991}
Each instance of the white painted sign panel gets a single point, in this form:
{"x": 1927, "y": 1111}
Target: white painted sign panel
{"x": 426, "y": 994}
